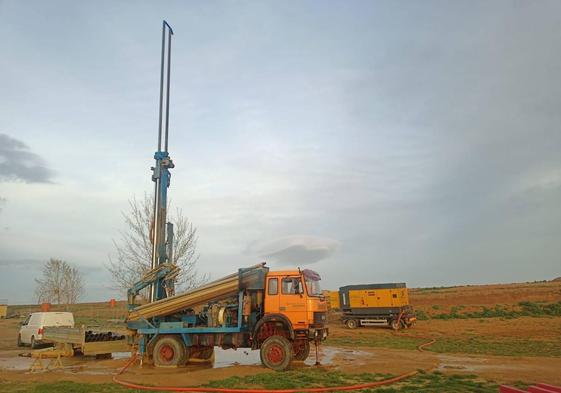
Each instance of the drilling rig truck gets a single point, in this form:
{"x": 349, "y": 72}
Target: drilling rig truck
{"x": 279, "y": 313}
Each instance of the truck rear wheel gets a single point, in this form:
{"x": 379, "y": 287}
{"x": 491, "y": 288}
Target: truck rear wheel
{"x": 169, "y": 351}
{"x": 351, "y": 323}
{"x": 276, "y": 353}
{"x": 301, "y": 349}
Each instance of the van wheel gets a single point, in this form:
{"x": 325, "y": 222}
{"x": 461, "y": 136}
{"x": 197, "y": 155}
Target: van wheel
{"x": 169, "y": 350}
{"x": 351, "y": 323}
{"x": 20, "y": 344}
{"x": 276, "y": 353}
{"x": 33, "y": 344}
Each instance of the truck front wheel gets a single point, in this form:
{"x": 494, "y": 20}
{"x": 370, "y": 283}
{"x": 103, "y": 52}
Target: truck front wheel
{"x": 169, "y": 351}
{"x": 276, "y": 353}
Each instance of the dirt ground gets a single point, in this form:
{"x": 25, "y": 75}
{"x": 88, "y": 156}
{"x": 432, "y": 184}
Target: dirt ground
{"x": 351, "y": 359}
{"x": 436, "y": 300}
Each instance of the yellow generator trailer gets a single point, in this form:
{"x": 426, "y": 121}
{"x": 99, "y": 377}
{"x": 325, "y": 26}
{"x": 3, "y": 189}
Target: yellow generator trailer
{"x": 3, "y": 310}
{"x": 376, "y": 305}
{"x": 333, "y": 300}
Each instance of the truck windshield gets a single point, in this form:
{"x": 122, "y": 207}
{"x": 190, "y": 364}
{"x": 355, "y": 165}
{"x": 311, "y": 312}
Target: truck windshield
{"x": 312, "y": 282}
{"x": 313, "y": 287}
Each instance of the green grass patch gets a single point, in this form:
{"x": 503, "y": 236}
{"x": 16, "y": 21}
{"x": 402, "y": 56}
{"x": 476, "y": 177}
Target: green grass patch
{"x": 382, "y": 341}
{"x": 434, "y": 382}
{"x": 469, "y": 345}
{"x": 523, "y": 309}
{"x": 501, "y": 347}
{"x": 437, "y": 382}
{"x": 309, "y": 378}
{"x": 295, "y": 379}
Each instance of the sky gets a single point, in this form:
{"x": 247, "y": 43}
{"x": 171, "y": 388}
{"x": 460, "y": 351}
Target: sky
{"x": 381, "y": 141}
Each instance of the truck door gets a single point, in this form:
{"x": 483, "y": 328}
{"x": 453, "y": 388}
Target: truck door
{"x": 293, "y": 301}
{"x": 272, "y": 296}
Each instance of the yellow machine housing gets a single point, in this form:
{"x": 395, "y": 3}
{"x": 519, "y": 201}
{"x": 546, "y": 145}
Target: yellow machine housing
{"x": 333, "y": 299}
{"x": 383, "y": 297}
{"x": 375, "y": 304}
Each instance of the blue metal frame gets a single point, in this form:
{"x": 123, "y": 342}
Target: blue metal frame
{"x": 147, "y": 329}
{"x": 161, "y": 171}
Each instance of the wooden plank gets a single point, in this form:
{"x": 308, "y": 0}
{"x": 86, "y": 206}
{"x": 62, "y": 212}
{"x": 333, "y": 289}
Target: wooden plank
{"x": 63, "y": 335}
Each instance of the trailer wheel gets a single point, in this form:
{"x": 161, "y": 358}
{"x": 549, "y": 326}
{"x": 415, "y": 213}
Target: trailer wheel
{"x": 395, "y": 324}
{"x": 169, "y": 350}
{"x": 301, "y": 349}
{"x": 351, "y": 323}
{"x": 276, "y": 353}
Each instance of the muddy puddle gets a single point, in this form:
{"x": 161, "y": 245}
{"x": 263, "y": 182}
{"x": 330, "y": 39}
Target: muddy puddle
{"x": 223, "y": 359}
{"x": 15, "y": 363}
{"x": 247, "y": 357}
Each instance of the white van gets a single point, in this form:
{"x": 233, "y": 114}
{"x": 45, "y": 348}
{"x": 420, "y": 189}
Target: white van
{"x": 31, "y": 331}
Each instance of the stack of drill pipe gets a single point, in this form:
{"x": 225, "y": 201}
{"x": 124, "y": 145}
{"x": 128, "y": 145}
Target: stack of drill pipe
{"x": 219, "y": 289}
{"x": 105, "y": 336}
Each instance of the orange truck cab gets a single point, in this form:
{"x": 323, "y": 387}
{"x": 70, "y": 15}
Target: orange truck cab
{"x": 295, "y": 315}
{"x": 297, "y": 295}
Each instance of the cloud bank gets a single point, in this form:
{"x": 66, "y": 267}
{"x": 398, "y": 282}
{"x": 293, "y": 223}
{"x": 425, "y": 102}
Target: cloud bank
{"x": 18, "y": 163}
{"x": 297, "y": 250}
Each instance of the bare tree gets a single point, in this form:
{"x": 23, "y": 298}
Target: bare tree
{"x": 134, "y": 248}
{"x": 60, "y": 283}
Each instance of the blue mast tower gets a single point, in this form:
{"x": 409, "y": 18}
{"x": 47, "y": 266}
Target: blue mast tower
{"x": 162, "y": 232}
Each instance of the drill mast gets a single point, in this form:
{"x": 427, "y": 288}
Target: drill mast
{"x": 162, "y": 231}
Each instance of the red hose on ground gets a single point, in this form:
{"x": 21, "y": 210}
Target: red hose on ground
{"x": 201, "y": 389}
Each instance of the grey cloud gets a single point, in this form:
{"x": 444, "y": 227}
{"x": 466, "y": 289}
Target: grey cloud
{"x": 19, "y": 263}
{"x": 17, "y": 163}
{"x": 297, "y": 250}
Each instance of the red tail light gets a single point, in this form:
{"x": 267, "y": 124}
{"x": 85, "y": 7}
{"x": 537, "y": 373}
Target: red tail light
{"x": 40, "y": 331}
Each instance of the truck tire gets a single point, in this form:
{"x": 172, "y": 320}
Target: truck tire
{"x": 276, "y": 353}
{"x": 395, "y": 324}
{"x": 301, "y": 350}
{"x": 169, "y": 350}
{"x": 351, "y": 323}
